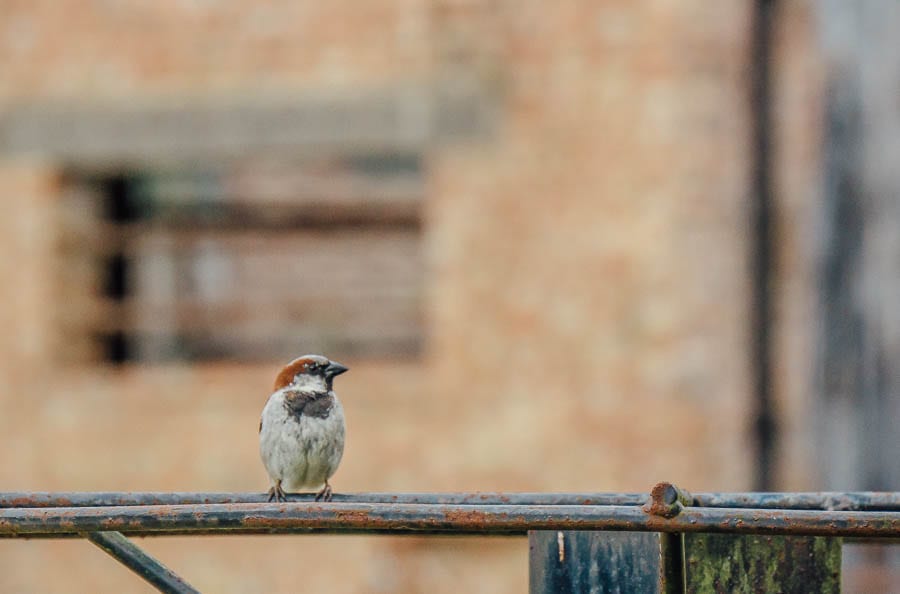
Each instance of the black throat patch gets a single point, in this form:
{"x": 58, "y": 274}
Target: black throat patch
{"x": 309, "y": 404}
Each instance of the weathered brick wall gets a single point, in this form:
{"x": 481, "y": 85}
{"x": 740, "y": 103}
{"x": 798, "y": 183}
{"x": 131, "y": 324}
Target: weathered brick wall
{"x": 590, "y": 265}
{"x": 587, "y": 289}
{"x": 84, "y": 51}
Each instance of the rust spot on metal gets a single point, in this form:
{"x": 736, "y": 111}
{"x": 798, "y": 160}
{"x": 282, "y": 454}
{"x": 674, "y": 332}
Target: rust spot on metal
{"x": 262, "y": 522}
{"x": 666, "y": 500}
{"x": 475, "y": 519}
{"x": 354, "y": 517}
{"x": 35, "y": 501}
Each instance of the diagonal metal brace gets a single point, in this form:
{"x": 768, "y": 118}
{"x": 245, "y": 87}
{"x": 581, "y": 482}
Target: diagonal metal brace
{"x": 134, "y": 558}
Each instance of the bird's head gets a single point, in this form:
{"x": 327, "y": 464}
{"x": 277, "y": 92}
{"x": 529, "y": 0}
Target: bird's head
{"x": 309, "y": 371}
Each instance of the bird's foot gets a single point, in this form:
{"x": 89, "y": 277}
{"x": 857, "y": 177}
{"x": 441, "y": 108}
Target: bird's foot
{"x": 276, "y": 493}
{"x": 325, "y": 493}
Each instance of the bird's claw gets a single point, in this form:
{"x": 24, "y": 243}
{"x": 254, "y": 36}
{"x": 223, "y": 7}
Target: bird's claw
{"x": 276, "y": 493}
{"x": 325, "y": 493}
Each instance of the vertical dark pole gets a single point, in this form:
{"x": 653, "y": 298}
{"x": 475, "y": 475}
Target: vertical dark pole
{"x": 764, "y": 425}
{"x": 671, "y": 553}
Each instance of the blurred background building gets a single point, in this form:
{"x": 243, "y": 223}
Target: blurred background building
{"x": 563, "y": 246}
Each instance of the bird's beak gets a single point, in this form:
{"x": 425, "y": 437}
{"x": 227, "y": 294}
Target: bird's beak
{"x": 334, "y": 369}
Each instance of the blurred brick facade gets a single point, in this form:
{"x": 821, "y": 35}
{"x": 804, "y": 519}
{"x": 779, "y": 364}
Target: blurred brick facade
{"x": 587, "y": 289}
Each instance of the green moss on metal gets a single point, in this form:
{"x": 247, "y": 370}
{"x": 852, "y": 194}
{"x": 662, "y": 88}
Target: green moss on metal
{"x": 829, "y": 551}
{"x": 726, "y": 563}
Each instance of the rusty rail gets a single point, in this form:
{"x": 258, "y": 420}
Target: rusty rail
{"x": 504, "y": 520}
{"x": 103, "y": 499}
{"x": 824, "y": 501}
{"x": 134, "y": 558}
{"x": 106, "y": 518}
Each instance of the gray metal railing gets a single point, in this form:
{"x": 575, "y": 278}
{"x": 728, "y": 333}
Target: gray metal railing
{"x": 668, "y": 513}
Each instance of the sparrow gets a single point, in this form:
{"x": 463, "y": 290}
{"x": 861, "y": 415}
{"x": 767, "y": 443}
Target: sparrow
{"x": 301, "y": 430}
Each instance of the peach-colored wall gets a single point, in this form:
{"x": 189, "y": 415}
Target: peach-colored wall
{"x": 586, "y": 295}
{"x": 85, "y": 50}
{"x": 589, "y": 266}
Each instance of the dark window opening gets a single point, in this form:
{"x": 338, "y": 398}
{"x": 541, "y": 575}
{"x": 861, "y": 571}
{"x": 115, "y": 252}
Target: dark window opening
{"x": 120, "y": 203}
{"x": 115, "y": 348}
{"x": 253, "y": 260}
{"x": 116, "y": 277}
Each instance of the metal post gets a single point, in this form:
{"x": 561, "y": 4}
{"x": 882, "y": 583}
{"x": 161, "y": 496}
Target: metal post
{"x": 754, "y": 563}
{"x": 763, "y": 223}
{"x": 567, "y": 562}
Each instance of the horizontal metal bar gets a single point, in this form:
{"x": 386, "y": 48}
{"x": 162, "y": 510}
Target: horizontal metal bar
{"x": 825, "y": 501}
{"x": 261, "y": 518}
{"x": 859, "y": 501}
{"x": 194, "y": 532}
{"x": 82, "y": 499}
{"x": 134, "y": 558}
